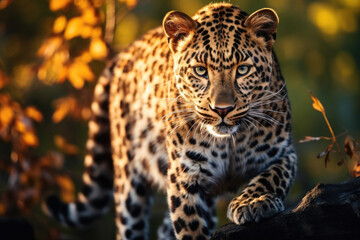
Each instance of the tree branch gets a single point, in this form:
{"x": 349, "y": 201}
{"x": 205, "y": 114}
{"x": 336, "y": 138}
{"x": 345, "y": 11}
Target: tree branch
{"x": 328, "y": 211}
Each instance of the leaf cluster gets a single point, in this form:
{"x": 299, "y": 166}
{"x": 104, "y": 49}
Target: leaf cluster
{"x": 351, "y": 146}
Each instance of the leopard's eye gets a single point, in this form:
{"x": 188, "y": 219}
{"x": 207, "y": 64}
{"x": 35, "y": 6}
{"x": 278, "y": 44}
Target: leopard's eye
{"x": 201, "y": 71}
{"x": 242, "y": 70}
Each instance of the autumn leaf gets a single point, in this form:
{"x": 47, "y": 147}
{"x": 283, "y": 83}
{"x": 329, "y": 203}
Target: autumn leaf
{"x": 50, "y": 46}
{"x": 317, "y": 104}
{"x": 67, "y": 106}
{"x": 20, "y": 126}
{"x": 89, "y": 16}
{"x": 326, "y": 153}
{"x": 66, "y": 188}
{"x": 33, "y": 113}
{"x": 74, "y": 28}
{"x": 66, "y": 147}
{"x": 4, "y": 4}
{"x": 30, "y": 139}
{"x": 351, "y": 148}
{"x": 84, "y": 57}
{"x": 6, "y": 115}
{"x": 78, "y": 73}
{"x": 62, "y": 108}
{"x": 52, "y": 159}
{"x": 130, "y": 3}
{"x": 55, "y": 69}
{"x": 59, "y": 4}
{"x": 98, "y": 49}
{"x": 59, "y": 24}
{"x": 96, "y": 32}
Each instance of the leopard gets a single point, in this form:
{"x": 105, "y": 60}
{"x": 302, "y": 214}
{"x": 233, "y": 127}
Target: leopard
{"x": 196, "y": 108}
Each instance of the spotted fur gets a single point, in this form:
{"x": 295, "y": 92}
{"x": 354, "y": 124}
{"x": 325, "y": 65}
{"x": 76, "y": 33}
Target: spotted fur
{"x": 195, "y": 108}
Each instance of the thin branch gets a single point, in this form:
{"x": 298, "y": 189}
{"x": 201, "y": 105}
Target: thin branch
{"x": 110, "y": 22}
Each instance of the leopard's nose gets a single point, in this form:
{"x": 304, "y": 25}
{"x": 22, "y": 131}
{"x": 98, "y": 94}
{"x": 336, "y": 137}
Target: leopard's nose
{"x": 222, "y": 111}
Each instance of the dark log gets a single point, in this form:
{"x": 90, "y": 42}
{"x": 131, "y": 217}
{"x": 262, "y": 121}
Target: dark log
{"x": 328, "y": 211}
{"x": 15, "y": 229}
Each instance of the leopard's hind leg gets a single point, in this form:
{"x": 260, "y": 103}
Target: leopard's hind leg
{"x": 166, "y": 231}
{"x": 133, "y": 200}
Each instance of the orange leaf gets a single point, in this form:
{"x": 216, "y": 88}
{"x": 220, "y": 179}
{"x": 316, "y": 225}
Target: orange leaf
{"x": 86, "y": 31}
{"x": 66, "y": 188}
{"x": 317, "y": 104}
{"x": 58, "y": 4}
{"x": 52, "y": 159}
{"x": 34, "y": 114}
{"x": 97, "y": 3}
{"x": 4, "y": 4}
{"x": 62, "y": 144}
{"x": 74, "y": 28}
{"x": 6, "y": 115}
{"x": 89, "y": 16}
{"x": 84, "y": 57}
{"x": 60, "y": 112}
{"x": 78, "y": 73}
{"x": 98, "y": 49}
{"x": 82, "y": 4}
{"x": 96, "y": 32}
{"x": 59, "y": 24}
{"x": 63, "y": 107}
{"x": 130, "y": 3}
{"x": 30, "y": 139}
{"x": 20, "y": 126}
{"x": 49, "y": 47}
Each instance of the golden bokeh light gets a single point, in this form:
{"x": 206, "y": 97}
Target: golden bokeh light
{"x": 331, "y": 20}
{"x": 324, "y": 17}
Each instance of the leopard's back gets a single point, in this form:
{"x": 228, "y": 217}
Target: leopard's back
{"x": 139, "y": 96}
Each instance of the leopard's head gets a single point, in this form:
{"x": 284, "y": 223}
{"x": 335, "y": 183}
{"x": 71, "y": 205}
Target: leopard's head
{"x": 223, "y": 62}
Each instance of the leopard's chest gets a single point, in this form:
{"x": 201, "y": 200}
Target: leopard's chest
{"x": 246, "y": 155}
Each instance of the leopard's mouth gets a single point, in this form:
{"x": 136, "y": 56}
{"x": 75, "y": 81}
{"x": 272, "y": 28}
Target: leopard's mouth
{"x": 222, "y": 130}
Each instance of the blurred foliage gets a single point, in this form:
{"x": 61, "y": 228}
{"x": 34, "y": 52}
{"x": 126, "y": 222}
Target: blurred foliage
{"x": 52, "y": 51}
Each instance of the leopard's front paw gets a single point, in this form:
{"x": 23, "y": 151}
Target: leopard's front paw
{"x": 242, "y": 210}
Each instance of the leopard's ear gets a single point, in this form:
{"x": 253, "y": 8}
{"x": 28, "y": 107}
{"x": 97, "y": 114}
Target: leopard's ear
{"x": 177, "y": 26}
{"x": 263, "y": 23}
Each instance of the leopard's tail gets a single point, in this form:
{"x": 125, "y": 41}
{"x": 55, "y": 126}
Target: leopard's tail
{"x": 96, "y": 195}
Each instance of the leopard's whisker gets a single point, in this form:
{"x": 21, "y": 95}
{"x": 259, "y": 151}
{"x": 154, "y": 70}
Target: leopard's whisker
{"x": 186, "y": 111}
{"x": 265, "y": 117}
{"x": 254, "y": 119}
{"x": 179, "y": 116}
{"x": 251, "y": 123}
{"x": 186, "y": 120}
{"x": 192, "y": 126}
{"x": 267, "y": 110}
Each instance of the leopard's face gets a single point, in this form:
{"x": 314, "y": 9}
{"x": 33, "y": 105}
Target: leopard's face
{"x": 222, "y": 67}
